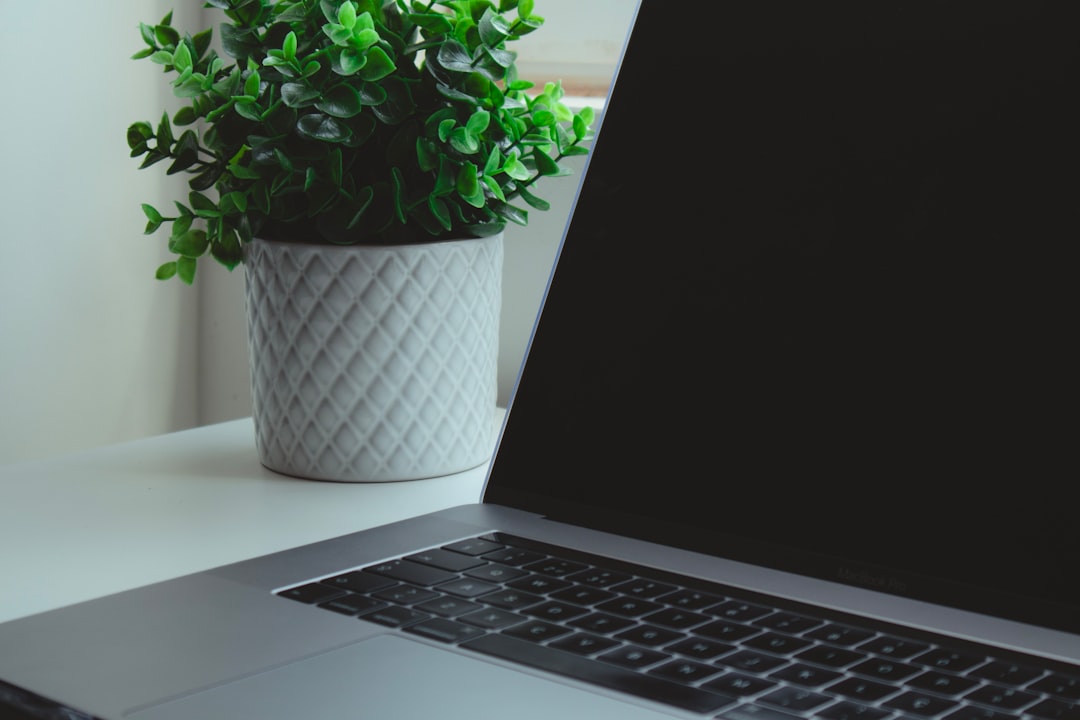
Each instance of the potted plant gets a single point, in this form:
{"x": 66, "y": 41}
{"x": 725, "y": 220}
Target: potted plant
{"x": 351, "y": 152}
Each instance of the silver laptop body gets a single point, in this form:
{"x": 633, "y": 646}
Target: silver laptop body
{"x": 804, "y": 368}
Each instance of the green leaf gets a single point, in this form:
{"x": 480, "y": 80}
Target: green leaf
{"x": 164, "y": 134}
{"x": 341, "y": 101}
{"x": 440, "y": 211}
{"x": 432, "y": 24}
{"x": 247, "y": 109}
{"x": 516, "y": 169}
{"x": 166, "y": 271}
{"x": 494, "y": 28}
{"x": 544, "y": 118}
{"x": 297, "y": 95}
{"x": 511, "y": 213}
{"x": 363, "y": 39}
{"x": 191, "y": 244}
{"x": 162, "y": 57}
{"x": 185, "y": 270}
{"x": 378, "y": 65}
{"x": 545, "y": 165}
{"x": 227, "y": 251}
{"x": 533, "y": 200}
{"x": 182, "y": 58}
{"x": 288, "y": 47}
{"x": 478, "y": 122}
{"x": 346, "y": 16}
{"x": 455, "y": 56}
{"x": 137, "y": 135}
{"x": 251, "y": 85}
{"x": 468, "y": 186}
{"x": 151, "y": 213}
{"x": 323, "y": 127}
{"x": 494, "y": 187}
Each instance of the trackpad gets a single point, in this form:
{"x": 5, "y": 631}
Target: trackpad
{"x": 389, "y": 676}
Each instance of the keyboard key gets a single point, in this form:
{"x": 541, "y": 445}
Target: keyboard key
{"x": 805, "y": 675}
{"x": 536, "y": 631}
{"x": 686, "y": 671}
{"x": 676, "y": 619}
{"x": 1006, "y": 672}
{"x": 359, "y": 582}
{"x": 921, "y": 704}
{"x": 943, "y": 659}
{"x": 738, "y": 610}
{"x": 971, "y": 712}
{"x": 582, "y": 595}
{"x": 690, "y": 599}
{"x": 851, "y": 711}
{"x": 405, "y": 595}
{"x": 491, "y": 618}
{"x": 312, "y": 594}
{"x": 584, "y": 643}
{"x": 555, "y": 567}
{"x": 842, "y": 635}
{"x": 649, "y": 635}
{"x": 555, "y": 611}
{"x": 830, "y": 656}
{"x": 942, "y": 683}
{"x": 643, "y": 588}
{"x": 598, "y": 578}
{"x": 893, "y": 647}
{"x": 794, "y": 699}
{"x": 475, "y": 546}
{"x": 443, "y": 630}
{"x": 602, "y": 623}
{"x": 1055, "y": 710}
{"x": 700, "y": 648}
{"x": 538, "y": 584}
{"x": 1062, "y": 686}
{"x": 726, "y": 631}
{"x": 757, "y": 712}
{"x": 514, "y": 556}
{"x": 885, "y": 669}
{"x": 787, "y": 622}
{"x": 751, "y": 661}
{"x": 632, "y": 656}
{"x": 413, "y": 573}
{"x": 448, "y": 606}
{"x": 628, "y": 606}
{"x": 1001, "y": 698}
{"x": 776, "y": 643}
{"x": 445, "y": 560}
{"x": 496, "y": 573}
{"x": 739, "y": 685}
{"x": 510, "y": 599}
{"x": 467, "y": 588}
{"x": 395, "y": 616}
{"x": 858, "y": 689}
{"x": 602, "y": 674}
{"x": 352, "y": 604}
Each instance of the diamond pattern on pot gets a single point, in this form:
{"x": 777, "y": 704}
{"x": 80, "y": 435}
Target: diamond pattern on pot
{"x": 373, "y": 363}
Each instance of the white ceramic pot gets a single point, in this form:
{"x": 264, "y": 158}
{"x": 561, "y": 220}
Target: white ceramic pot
{"x": 374, "y": 363}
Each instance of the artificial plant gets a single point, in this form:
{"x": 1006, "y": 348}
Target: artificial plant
{"x": 351, "y": 121}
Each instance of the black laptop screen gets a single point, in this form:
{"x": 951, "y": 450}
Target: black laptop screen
{"x": 817, "y": 303}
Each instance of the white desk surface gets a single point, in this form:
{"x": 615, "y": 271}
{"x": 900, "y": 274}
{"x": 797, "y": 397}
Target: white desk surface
{"x": 89, "y": 524}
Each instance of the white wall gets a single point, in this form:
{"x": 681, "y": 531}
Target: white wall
{"x": 93, "y": 350}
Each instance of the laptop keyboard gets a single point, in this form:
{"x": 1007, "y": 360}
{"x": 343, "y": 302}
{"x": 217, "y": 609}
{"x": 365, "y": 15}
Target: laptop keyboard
{"x": 678, "y": 641}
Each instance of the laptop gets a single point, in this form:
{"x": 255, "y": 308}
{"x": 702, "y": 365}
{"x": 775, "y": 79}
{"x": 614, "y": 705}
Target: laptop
{"x": 793, "y": 438}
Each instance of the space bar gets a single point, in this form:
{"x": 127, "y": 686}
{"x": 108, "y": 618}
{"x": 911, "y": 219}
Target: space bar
{"x": 649, "y": 687}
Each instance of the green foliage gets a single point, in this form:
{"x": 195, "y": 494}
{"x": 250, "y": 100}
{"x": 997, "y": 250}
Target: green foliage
{"x": 351, "y": 121}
